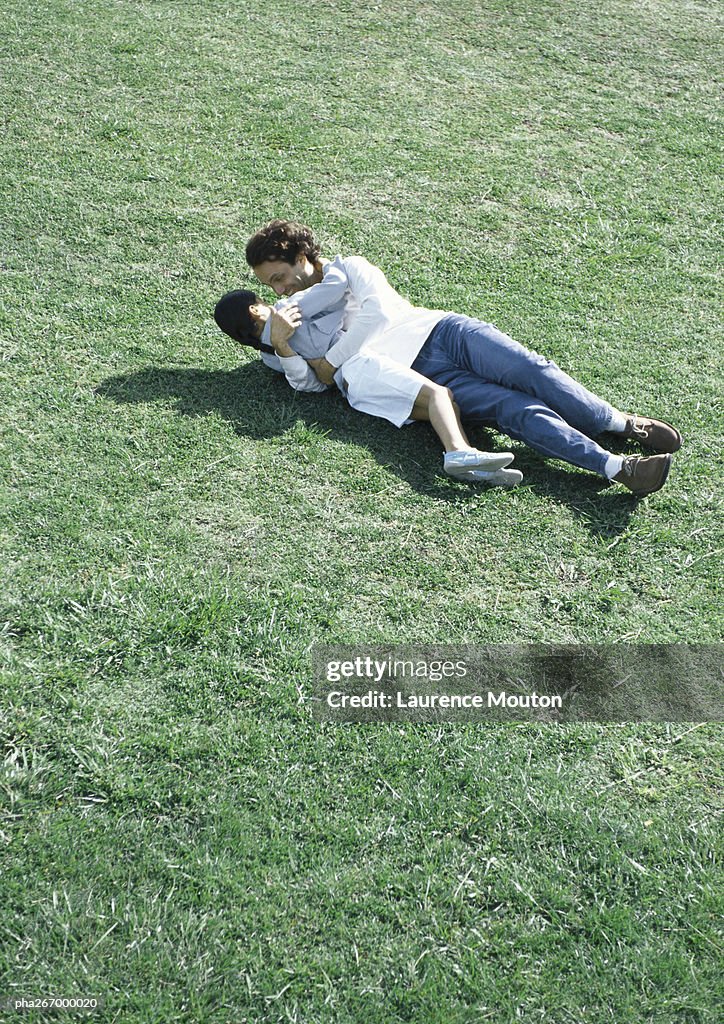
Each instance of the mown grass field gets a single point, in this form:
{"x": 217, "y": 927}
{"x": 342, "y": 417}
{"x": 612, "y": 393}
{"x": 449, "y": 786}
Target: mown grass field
{"x": 179, "y": 838}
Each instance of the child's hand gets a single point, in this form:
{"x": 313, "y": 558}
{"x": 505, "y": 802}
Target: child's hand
{"x": 283, "y": 326}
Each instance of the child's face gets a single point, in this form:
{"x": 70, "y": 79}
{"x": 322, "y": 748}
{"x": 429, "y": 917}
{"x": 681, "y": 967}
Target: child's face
{"x": 259, "y": 313}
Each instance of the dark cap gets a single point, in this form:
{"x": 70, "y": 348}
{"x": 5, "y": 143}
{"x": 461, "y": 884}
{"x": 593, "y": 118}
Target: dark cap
{"x": 233, "y": 317}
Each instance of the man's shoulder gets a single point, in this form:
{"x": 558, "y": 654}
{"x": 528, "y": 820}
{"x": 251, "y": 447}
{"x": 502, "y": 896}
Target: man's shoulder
{"x": 356, "y": 262}
{"x": 360, "y": 271}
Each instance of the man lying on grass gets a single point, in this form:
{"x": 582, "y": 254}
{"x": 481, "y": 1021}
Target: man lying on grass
{"x": 494, "y": 380}
{"x": 244, "y": 317}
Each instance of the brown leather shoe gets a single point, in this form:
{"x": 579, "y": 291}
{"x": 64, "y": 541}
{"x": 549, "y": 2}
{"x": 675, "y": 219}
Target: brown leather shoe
{"x": 653, "y": 434}
{"x": 644, "y": 475}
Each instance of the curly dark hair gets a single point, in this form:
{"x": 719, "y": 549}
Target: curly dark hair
{"x": 281, "y": 240}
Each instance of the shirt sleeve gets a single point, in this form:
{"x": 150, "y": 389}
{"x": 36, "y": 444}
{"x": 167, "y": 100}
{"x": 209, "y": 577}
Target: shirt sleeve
{"x": 297, "y": 370}
{"x": 369, "y": 286}
{"x": 271, "y": 360}
{"x": 326, "y": 294}
{"x": 300, "y": 374}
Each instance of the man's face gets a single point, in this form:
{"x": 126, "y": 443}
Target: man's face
{"x": 287, "y": 278}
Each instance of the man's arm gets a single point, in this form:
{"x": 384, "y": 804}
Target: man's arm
{"x": 378, "y": 303}
{"x": 323, "y": 369}
{"x": 326, "y": 293}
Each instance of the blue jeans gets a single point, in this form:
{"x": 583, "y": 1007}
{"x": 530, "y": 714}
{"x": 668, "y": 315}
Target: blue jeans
{"x": 498, "y": 382}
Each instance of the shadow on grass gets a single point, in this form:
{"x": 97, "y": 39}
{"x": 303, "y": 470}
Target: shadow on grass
{"x": 260, "y": 404}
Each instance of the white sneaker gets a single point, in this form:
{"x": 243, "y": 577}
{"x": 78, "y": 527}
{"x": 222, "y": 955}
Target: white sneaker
{"x": 499, "y": 478}
{"x": 459, "y": 463}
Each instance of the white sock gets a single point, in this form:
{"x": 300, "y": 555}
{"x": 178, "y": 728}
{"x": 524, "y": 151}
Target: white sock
{"x": 614, "y": 465}
{"x": 617, "y": 422}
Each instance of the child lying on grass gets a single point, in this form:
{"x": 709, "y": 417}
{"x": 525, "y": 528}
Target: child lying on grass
{"x": 494, "y": 379}
{"x": 247, "y": 319}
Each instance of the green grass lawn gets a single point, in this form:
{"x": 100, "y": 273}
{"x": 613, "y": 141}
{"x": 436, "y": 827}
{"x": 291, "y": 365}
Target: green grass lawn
{"x": 177, "y": 837}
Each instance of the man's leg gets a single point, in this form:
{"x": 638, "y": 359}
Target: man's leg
{"x": 485, "y": 351}
{"x": 525, "y": 418}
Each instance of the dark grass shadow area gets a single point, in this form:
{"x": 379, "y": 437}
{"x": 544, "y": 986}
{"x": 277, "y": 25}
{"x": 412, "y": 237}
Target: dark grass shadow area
{"x": 259, "y": 404}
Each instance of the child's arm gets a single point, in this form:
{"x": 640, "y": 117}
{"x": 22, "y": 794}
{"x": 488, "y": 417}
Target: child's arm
{"x": 279, "y": 330}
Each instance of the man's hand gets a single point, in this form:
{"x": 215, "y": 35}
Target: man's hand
{"x": 283, "y": 326}
{"x": 324, "y": 370}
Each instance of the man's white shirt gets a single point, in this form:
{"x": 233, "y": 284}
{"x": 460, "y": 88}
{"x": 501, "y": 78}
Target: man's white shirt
{"x": 381, "y": 321}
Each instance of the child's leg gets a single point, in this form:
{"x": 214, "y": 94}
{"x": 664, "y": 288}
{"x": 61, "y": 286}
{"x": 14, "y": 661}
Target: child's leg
{"x": 435, "y": 404}
{"x": 381, "y": 387}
